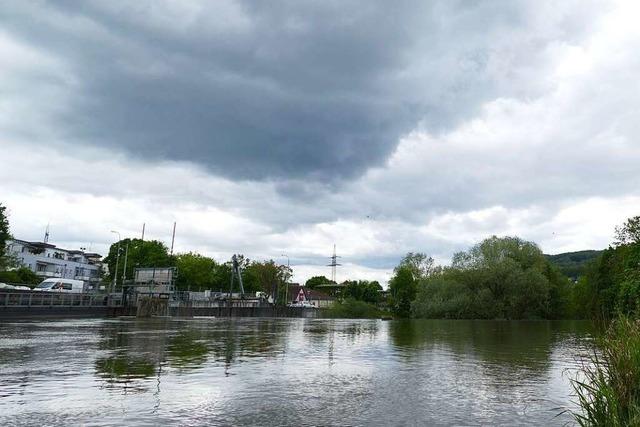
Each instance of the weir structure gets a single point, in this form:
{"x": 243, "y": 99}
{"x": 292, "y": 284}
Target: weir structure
{"x": 151, "y": 293}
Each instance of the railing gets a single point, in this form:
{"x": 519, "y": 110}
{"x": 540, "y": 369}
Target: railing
{"x": 57, "y": 299}
{"x": 46, "y": 273}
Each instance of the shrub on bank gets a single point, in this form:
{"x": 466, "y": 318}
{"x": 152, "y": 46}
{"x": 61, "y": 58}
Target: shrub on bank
{"x": 609, "y": 392}
{"x": 21, "y": 275}
{"x": 353, "y": 309}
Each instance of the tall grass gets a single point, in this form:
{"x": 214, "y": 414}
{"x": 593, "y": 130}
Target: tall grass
{"x": 608, "y": 389}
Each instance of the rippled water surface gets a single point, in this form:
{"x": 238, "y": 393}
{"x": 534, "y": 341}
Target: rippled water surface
{"x": 287, "y": 372}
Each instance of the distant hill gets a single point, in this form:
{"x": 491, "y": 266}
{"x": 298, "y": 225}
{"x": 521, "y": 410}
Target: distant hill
{"x": 573, "y": 264}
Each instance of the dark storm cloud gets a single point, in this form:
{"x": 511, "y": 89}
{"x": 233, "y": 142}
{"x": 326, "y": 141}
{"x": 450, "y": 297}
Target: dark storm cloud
{"x": 265, "y": 89}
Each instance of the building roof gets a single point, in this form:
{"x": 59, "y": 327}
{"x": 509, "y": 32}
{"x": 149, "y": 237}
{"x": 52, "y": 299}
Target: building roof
{"x": 43, "y": 245}
{"x": 309, "y": 294}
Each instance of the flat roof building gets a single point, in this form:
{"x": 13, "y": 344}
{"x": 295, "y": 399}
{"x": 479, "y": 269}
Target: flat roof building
{"x": 47, "y": 260}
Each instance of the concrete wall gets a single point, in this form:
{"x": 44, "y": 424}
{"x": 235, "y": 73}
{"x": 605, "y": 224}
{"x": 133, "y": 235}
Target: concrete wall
{"x": 55, "y": 312}
{"x": 18, "y": 312}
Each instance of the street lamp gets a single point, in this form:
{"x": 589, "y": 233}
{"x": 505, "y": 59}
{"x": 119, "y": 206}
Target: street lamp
{"x": 115, "y": 276}
{"x": 286, "y": 285}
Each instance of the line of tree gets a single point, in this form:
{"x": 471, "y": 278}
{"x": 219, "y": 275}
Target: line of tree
{"x": 510, "y": 278}
{"x": 608, "y": 387}
{"x": 611, "y": 285}
{"x": 196, "y": 272}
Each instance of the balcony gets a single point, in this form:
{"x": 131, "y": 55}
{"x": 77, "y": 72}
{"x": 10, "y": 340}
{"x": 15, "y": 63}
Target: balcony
{"x": 48, "y": 274}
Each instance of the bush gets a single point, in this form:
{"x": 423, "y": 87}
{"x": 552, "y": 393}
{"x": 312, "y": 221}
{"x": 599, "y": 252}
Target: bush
{"x": 353, "y": 309}
{"x": 609, "y": 392}
{"x": 22, "y": 275}
{"x": 499, "y": 278}
{"x": 439, "y": 297}
{"x": 9, "y": 277}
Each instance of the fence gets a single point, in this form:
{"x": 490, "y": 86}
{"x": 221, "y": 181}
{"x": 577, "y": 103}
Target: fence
{"x": 56, "y": 299}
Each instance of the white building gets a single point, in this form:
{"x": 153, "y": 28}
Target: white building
{"x": 47, "y": 260}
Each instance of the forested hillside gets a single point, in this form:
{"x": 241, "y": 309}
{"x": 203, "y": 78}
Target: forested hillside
{"x": 573, "y": 264}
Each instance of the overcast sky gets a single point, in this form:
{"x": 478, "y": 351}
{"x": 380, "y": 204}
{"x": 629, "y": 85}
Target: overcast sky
{"x": 283, "y": 127}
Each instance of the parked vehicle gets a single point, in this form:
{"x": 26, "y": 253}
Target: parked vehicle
{"x": 61, "y": 285}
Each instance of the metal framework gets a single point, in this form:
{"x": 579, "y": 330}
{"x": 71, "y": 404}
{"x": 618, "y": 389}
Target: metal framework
{"x": 236, "y": 272}
{"x": 334, "y": 264}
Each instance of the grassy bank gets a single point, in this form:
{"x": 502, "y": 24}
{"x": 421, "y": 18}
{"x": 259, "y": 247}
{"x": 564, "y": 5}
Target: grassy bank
{"x": 353, "y": 309}
{"x": 608, "y": 390}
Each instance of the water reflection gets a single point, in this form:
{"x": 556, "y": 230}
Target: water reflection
{"x": 138, "y": 349}
{"x": 520, "y": 344}
{"x": 287, "y": 371}
{"x": 188, "y": 349}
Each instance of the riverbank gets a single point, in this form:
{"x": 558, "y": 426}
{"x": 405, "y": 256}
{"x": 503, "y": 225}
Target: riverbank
{"x": 608, "y": 387}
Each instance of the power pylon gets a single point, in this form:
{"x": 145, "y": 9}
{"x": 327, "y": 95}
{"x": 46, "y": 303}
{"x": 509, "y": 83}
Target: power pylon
{"x": 334, "y": 264}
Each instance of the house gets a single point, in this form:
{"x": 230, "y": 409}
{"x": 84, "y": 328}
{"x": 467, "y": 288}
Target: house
{"x": 47, "y": 260}
{"x": 299, "y": 293}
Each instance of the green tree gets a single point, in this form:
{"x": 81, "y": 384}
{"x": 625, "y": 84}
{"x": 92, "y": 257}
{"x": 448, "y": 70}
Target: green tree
{"x": 195, "y": 271}
{"x": 612, "y": 282}
{"x": 139, "y": 254}
{"x": 419, "y": 264}
{"x": 413, "y": 267}
{"x": 629, "y": 232}
{"x": 441, "y": 295}
{"x": 4, "y": 236}
{"x": 403, "y": 288}
{"x": 268, "y": 277}
{"x": 497, "y": 278}
{"x": 362, "y": 290}
{"x": 313, "y": 282}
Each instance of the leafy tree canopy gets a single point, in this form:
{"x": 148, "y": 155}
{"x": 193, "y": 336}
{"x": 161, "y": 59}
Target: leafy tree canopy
{"x": 313, "y": 282}
{"x": 402, "y": 287}
{"x": 4, "y": 235}
{"x": 503, "y": 277}
{"x": 629, "y": 232}
{"x": 420, "y": 265}
{"x": 362, "y": 290}
{"x": 266, "y": 276}
{"x": 196, "y": 271}
{"x": 139, "y": 254}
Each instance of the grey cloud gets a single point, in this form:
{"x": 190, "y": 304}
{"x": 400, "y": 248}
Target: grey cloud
{"x": 275, "y": 90}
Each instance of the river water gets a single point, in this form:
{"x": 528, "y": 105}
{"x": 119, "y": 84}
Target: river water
{"x": 287, "y": 372}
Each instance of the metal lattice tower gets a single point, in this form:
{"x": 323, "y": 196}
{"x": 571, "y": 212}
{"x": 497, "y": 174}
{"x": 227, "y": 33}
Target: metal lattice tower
{"x": 333, "y": 264}
{"x": 236, "y": 271}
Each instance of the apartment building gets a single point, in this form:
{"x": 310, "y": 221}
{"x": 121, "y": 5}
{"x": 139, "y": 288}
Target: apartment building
{"x": 48, "y": 260}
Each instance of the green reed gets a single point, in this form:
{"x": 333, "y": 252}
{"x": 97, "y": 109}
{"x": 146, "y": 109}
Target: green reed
{"x": 608, "y": 387}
